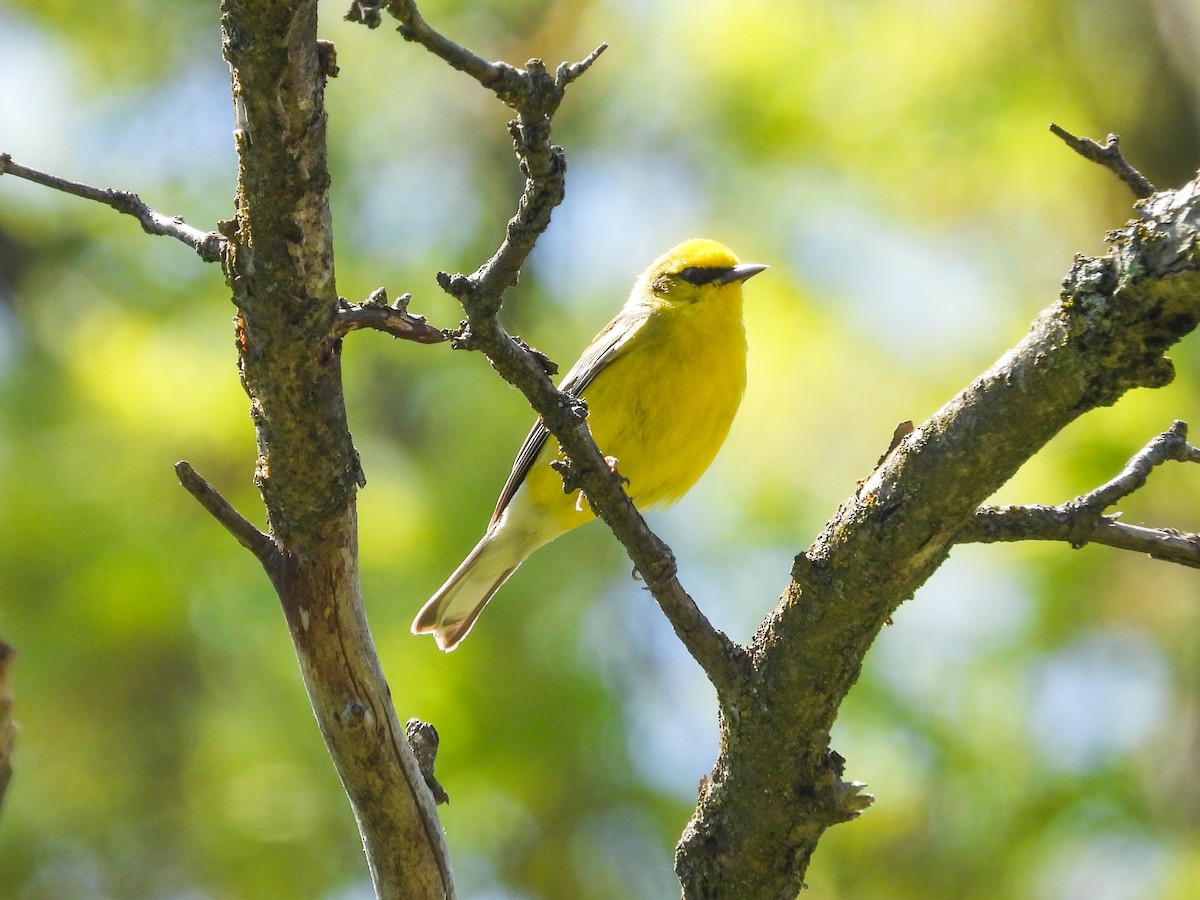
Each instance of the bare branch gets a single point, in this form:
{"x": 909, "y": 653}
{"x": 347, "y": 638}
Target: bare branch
{"x": 281, "y": 271}
{"x": 230, "y": 519}
{"x": 1081, "y": 521}
{"x": 1108, "y": 155}
{"x": 413, "y": 27}
{"x": 1077, "y": 526}
{"x": 1172, "y": 444}
{"x": 510, "y": 84}
{"x": 568, "y": 72}
{"x": 375, "y": 312}
{"x": 209, "y": 245}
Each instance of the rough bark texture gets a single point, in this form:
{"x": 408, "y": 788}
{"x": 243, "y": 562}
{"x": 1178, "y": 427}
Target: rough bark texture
{"x": 776, "y": 786}
{"x": 280, "y": 265}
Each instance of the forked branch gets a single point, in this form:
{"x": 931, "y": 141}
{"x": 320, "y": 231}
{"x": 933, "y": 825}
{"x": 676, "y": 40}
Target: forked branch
{"x": 1082, "y": 520}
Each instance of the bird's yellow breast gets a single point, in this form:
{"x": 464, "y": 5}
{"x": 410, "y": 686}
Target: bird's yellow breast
{"x": 663, "y": 408}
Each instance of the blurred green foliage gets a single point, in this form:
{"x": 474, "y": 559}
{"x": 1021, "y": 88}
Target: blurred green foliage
{"x": 1031, "y": 722}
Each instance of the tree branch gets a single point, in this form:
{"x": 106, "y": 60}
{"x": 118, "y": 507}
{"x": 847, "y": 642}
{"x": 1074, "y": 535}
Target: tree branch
{"x": 230, "y": 519}
{"x": 280, "y": 267}
{"x": 508, "y": 82}
{"x": 1077, "y": 527}
{"x": 1171, "y": 445}
{"x": 536, "y": 95}
{"x": 1081, "y": 521}
{"x": 376, "y": 313}
{"x": 209, "y": 245}
{"x": 1108, "y": 155}
{"x": 278, "y": 258}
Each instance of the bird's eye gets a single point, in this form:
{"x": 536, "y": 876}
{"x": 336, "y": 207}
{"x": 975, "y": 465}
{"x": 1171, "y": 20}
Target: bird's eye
{"x": 697, "y": 275}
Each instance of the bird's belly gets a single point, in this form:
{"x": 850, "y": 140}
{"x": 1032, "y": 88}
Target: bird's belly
{"x": 663, "y": 430}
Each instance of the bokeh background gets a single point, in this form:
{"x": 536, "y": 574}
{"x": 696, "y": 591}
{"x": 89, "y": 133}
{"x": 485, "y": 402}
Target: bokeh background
{"x": 1031, "y": 722}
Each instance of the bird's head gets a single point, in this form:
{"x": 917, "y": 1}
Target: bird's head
{"x": 695, "y": 269}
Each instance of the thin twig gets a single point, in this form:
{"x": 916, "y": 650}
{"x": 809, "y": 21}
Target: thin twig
{"x": 209, "y": 245}
{"x": 1082, "y": 520}
{"x": 1108, "y": 155}
{"x": 999, "y": 524}
{"x": 568, "y": 72}
{"x": 413, "y": 27}
{"x": 375, "y": 312}
{"x": 510, "y": 83}
{"x": 1171, "y": 445}
{"x": 261, "y": 545}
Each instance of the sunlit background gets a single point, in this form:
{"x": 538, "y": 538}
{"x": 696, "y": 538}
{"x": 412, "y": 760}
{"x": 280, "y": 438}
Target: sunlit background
{"x": 1031, "y": 722}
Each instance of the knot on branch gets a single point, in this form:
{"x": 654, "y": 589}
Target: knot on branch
{"x": 327, "y": 59}
{"x": 577, "y": 406}
{"x": 572, "y": 474}
{"x": 572, "y": 478}
{"x": 1081, "y": 519}
{"x": 808, "y": 566}
{"x": 1088, "y": 278}
{"x": 1107, "y": 300}
{"x": 533, "y": 91}
{"x": 1173, "y": 220}
{"x": 840, "y": 801}
{"x": 461, "y": 287}
{"x": 423, "y": 739}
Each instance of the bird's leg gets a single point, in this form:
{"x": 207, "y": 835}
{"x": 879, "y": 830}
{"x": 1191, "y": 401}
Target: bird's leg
{"x": 611, "y": 462}
{"x": 571, "y": 478}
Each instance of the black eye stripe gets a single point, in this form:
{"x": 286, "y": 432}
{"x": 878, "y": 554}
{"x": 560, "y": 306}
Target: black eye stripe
{"x": 698, "y": 275}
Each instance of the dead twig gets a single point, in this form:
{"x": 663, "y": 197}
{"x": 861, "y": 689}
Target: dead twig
{"x": 375, "y": 312}
{"x": 1082, "y": 520}
{"x": 209, "y": 245}
{"x": 258, "y": 543}
{"x": 1108, "y": 155}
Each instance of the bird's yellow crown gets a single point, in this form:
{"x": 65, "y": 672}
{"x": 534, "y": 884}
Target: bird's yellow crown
{"x": 699, "y": 253}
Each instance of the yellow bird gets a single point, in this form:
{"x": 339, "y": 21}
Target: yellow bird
{"x": 662, "y": 382}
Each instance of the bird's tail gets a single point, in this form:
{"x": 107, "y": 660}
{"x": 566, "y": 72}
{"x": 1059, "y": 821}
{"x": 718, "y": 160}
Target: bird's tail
{"x": 451, "y": 612}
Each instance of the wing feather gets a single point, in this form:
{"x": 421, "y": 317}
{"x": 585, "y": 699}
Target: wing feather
{"x": 608, "y": 345}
